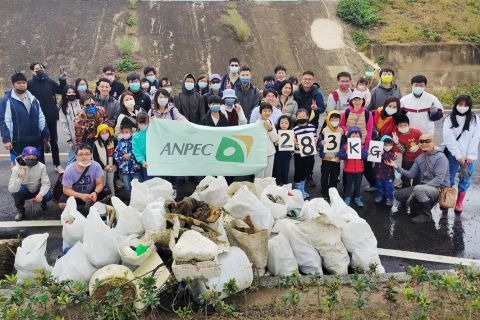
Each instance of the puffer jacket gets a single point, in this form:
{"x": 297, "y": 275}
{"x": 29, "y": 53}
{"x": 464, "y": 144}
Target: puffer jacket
{"x": 190, "y": 103}
{"x": 291, "y": 105}
{"x": 36, "y": 178}
{"x": 352, "y": 165}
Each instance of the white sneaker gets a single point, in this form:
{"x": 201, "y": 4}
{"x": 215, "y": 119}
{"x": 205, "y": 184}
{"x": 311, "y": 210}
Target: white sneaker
{"x": 59, "y": 169}
{"x": 395, "y": 206}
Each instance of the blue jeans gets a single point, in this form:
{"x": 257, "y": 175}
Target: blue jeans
{"x": 127, "y": 181}
{"x": 71, "y": 156}
{"x": 384, "y": 189}
{"x": 453, "y": 166}
{"x": 23, "y": 194}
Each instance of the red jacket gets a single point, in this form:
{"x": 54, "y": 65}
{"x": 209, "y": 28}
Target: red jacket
{"x": 352, "y": 165}
{"x": 409, "y": 140}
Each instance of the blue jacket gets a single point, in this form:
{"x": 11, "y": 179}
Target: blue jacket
{"x": 17, "y": 124}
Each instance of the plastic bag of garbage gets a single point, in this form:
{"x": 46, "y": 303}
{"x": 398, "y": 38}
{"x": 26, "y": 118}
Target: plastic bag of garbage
{"x": 73, "y": 223}
{"x": 295, "y": 203}
{"x": 152, "y": 216}
{"x": 135, "y": 252}
{"x": 262, "y": 183}
{"x": 244, "y": 203}
{"x": 213, "y": 191}
{"x": 194, "y": 246}
{"x": 281, "y": 260}
{"x": 326, "y": 238}
{"x": 236, "y": 185}
{"x": 129, "y": 220}
{"x": 99, "y": 241}
{"x": 31, "y": 255}
{"x": 275, "y": 198}
{"x": 150, "y": 191}
{"x": 74, "y": 266}
{"x": 313, "y": 209}
{"x": 308, "y": 259}
{"x": 108, "y": 277}
{"x": 338, "y": 205}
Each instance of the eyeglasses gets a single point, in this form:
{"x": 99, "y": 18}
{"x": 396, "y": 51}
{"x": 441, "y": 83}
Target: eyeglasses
{"x": 425, "y": 141}
{"x": 84, "y": 154}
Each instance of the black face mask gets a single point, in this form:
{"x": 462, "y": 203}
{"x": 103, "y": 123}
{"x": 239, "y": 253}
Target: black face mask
{"x": 71, "y": 97}
{"x": 31, "y": 162}
{"x": 302, "y": 121}
{"x": 20, "y": 91}
{"x": 40, "y": 74}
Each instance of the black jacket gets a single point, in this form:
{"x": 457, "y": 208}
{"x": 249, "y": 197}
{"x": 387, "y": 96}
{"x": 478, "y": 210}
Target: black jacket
{"x": 304, "y": 98}
{"x": 208, "y": 121}
{"x": 45, "y": 90}
{"x": 142, "y": 100}
{"x": 190, "y": 103}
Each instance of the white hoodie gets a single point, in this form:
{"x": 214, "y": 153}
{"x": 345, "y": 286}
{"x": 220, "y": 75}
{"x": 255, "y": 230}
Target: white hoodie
{"x": 467, "y": 145}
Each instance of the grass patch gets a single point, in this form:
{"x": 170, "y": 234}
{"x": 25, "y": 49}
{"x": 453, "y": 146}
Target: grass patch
{"x": 126, "y": 45}
{"x": 131, "y": 21}
{"x": 235, "y": 22}
{"x": 360, "y": 39}
{"x": 447, "y": 97}
{"x": 361, "y": 13}
{"x": 132, "y": 4}
{"x": 125, "y": 63}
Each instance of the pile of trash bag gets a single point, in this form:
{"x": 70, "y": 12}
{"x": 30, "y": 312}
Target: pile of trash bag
{"x": 240, "y": 231}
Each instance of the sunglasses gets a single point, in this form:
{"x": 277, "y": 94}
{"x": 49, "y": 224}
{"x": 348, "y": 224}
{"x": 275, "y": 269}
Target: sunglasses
{"x": 425, "y": 141}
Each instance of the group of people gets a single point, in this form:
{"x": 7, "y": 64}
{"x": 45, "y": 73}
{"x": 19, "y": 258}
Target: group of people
{"x": 106, "y": 126}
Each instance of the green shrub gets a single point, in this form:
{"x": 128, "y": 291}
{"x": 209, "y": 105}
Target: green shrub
{"x": 447, "y": 97}
{"x": 360, "y": 39}
{"x": 430, "y": 34}
{"x": 235, "y": 22}
{"x": 132, "y": 4}
{"x": 125, "y": 45}
{"x": 361, "y": 13}
{"x": 380, "y": 59}
{"x": 127, "y": 64}
{"x": 131, "y": 21}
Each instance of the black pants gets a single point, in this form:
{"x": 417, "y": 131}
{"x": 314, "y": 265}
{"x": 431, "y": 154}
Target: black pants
{"x": 302, "y": 167}
{"x": 281, "y": 166}
{"x": 330, "y": 173}
{"x": 352, "y": 180}
{"x": 405, "y": 181}
{"x": 369, "y": 172}
{"x": 52, "y": 127}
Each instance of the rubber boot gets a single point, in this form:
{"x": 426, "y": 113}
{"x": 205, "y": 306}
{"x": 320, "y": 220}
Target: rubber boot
{"x": 347, "y": 200}
{"x": 424, "y": 212}
{"x": 459, "y": 204}
{"x": 358, "y": 202}
{"x": 20, "y": 214}
{"x": 305, "y": 193}
{"x": 298, "y": 186}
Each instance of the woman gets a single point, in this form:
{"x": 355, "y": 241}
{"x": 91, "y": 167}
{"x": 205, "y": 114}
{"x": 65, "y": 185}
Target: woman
{"x": 87, "y": 121}
{"x": 103, "y": 149}
{"x": 82, "y": 87}
{"x": 202, "y": 84}
{"x": 128, "y": 112}
{"x": 288, "y": 105}
{"x": 163, "y": 107}
{"x": 383, "y": 117}
{"x": 148, "y": 87}
{"x": 69, "y": 109}
{"x": 461, "y": 134}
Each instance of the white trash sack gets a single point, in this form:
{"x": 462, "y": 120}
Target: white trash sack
{"x": 129, "y": 220}
{"x": 213, "y": 191}
{"x": 295, "y": 203}
{"x": 261, "y": 183}
{"x": 281, "y": 260}
{"x": 31, "y": 256}
{"x": 244, "y": 203}
{"x": 194, "y": 246}
{"x": 73, "y": 223}
{"x": 156, "y": 189}
{"x": 129, "y": 257}
{"x": 275, "y": 198}
{"x": 152, "y": 216}
{"x": 308, "y": 259}
{"x": 74, "y": 265}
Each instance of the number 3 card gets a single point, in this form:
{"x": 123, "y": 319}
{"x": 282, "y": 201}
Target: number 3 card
{"x": 331, "y": 144}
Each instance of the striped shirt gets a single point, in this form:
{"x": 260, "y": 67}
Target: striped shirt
{"x": 300, "y": 130}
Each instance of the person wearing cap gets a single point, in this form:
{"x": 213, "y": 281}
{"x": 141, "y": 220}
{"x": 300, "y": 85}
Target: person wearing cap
{"x": 248, "y": 95}
{"x": 45, "y": 90}
{"x": 29, "y": 180}
{"x": 384, "y": 174}
{"x": 22, "y": 122}
{"x": 231, "y": 79}
{"x": 215, "y": 117}
{"x": 215, "y": 82}
{"x": 103, "y": 149}
{"x": 142, "y": 100}
{"x": 270, "y": 96}
{"x": 189, "y": 102}
{"x": 232, "y": 109}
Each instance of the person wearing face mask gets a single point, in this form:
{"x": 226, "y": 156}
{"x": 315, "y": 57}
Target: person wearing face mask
{"x": 84, "y": 180}
{"x": 117, "y": 87}
{"x": 294, "y": 81}
{"x": 384, "y": 90}
{"x": 383, "y": 117}
{"x": 128, "y": 112}
{"x": 45, "y": 90}
{"x": 288, "y": 105}
{"x": 202, "y": 84}
{"x": 248, "y": 96}
{"x": 151, "y": 74}
{"x": 142, "y": 100}
{"x": 87, "y": 121}
{"x": 215, "y": 117}
{"x": 163, "y": 108}
{"x": 339, "y": 99}
{"x": 81, "y": 85}
{"x": 29, "y": 180}
{"x": 232, "y": 109}
{"x": 461, "y": 135}
{"x": 384, "y": 174}
{"x": 362, "y": 86}
{"x": 215, "y": 82}
{"x": 105, "y": 100}
{"x": 103, "y": 149}
{"x": 422, "y": 108}
{"x": 189, "y": 102}
{"x": 22, "y": 122}
{"x": 69, "y": 109}
{"x": 139, "y": 144}
{"x": 232, "y": 78}
{"x": 148, "y": 88}
{"x": 128, "y": 166}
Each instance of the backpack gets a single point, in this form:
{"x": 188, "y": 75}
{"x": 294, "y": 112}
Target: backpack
{"x": 367, "y": 115}
{"x": 335, "y": 96}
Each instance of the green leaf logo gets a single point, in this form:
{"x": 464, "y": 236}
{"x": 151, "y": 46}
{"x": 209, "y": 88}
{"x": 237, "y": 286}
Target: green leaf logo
{"x": 234, "y": 149}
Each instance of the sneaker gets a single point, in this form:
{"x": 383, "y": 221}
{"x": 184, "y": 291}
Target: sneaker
{"x": 369, "y": 188}
{"x": 389, "y": 203}
{"x": 378, "y": 199}
{"x": 59, "y": 169}
{"x": 310, "y": 182}
{"x": 347, "y": 201}
{"x": 395, "y": 206}
{"x": 20, "y": 215}
{"x": 359, "y": 202}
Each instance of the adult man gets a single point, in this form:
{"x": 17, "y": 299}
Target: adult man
{"x": 232, "y": 78}
{"x": 22, "y": 122}
{"x": 151, "y": 75}
{"x": 310, "y": 97}
{"x": 105, "y": 100}
{"x": 29, "y": 180}
{"x": 45, "y": 89}
{"x": 422, "y": 108}
{"x": 189, "y": 102}
{"x": 83, "y": 179}
{"x": 385, "y": 89}
{"x": 339, "y": 98}
{"x": 215, "y": 82}
{"x": 117, "y": 87}
{"x": 432, "y": 166}
{"x": 247, "y": 94}
{"x": 142, "y": 100}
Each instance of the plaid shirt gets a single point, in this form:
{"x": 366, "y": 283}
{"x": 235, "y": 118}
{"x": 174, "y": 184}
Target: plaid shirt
{"x": 86, "y": 128}
{"x": 125, "y": 166}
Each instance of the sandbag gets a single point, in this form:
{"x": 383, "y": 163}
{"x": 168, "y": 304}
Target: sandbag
{"x": 152, "y": 217}
{"x": 255, "y": 244}
{"x": 110, "y": 277}
{"x": 236, "y": 185}
{"x": 31, "y": 255}
{"x": 73, "y": 224}
{"x": 326, "y": 238}
{"x": 262, "y": 183}
{"x": 152, "y": 190}
{"x": 74, "y": 265}
{"x": 281, "y": 260}
{"x": 275, "y": 198}
{"x": 99, "y": 241}
{"x": 244, "y": 203}
{"x": 295, "y": 203}
{"x": 308, "y": 259}
{"x": 194, "y": 246}
{"x": 128, "y": 219}
{"x": 129, "y": 257}
{"x": 213, "y": 191}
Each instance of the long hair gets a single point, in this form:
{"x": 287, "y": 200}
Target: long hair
{"x": 384, "y": 114}
{"x": 123, "y": 109}
{"x": 64, "y": 102}
{"x": 469, "y": 115}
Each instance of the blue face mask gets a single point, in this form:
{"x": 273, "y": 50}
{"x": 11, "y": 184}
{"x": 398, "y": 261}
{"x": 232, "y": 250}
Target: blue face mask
{"x": 151, "y": 79}
{"x": 91, "y": 109}
{"x": 215, "y": 86}
{"x": 134, "y": 86}
{"x": 234, "y": 69}
{"x": 245, "y": 80}
{"x": 215, "y": 108}
{"x": 269, "y": 86}
{"x": 418, "y": 90}
{"x": 82, "y": 88}
{"x": 189, "y": 86}
{"x": 202, "y": 85}
{"x": 229, "y": 102}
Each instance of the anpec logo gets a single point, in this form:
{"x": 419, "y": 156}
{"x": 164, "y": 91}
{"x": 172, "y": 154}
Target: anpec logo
{"x": 235, "y": 148}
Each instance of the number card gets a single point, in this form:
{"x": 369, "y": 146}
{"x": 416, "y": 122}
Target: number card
{"x": 332, "y": 142}
{"x": 354, "y": 148}
{"x": 286, "y": 140}
{"x": 374, "y": 151}
{"x": 306, "y": 144}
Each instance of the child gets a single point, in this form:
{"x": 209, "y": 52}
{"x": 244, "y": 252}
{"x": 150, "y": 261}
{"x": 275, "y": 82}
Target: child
{"x": 352, "y": 169}
{"x": 265, "y": 113}
{"x": 330, "y": 161}
{"x": 281, "y": 165}
{"x": 215, "y": 117}
{"x": 384, "y": 174}
{"x": 128, "y": 166}
{"x": 302, "y": 164}
{"x": 139, "y": 144}
{"x": 103, "y": 149}
{"x": 362, "y": 85}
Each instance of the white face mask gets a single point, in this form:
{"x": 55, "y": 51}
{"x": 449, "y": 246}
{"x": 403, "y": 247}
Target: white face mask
{"x": 403, "y": 130}
{"x": 169, "y": 89}
{"x": 462, "y": 110}
{"x": 387, "y": 148}
{"x": 125, "y": 136}
{"x": 129, "y": 104}
{"x": 334, "y": 123}
{"x": 142, "y": 126}
{"x": 84, "y": 164}
{"x": 390, "y": 111}
{"x": 162, "y": 102}
{"x": 105, "y": 136}
{"x": 145, "y": 85}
